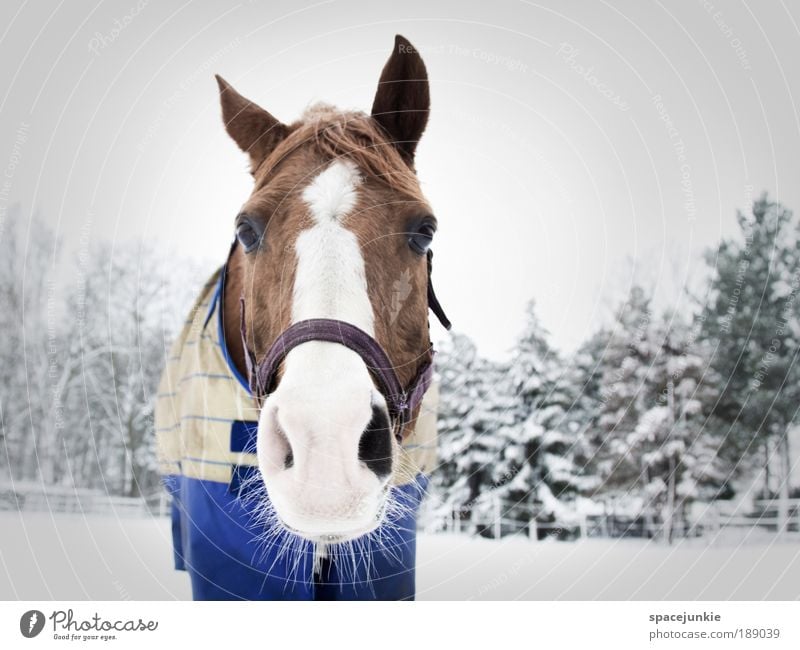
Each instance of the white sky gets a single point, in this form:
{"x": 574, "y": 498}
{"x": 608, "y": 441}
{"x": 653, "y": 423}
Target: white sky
{"x": 544, "y": 188}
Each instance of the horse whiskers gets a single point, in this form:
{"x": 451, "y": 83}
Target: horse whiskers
{"x": 304, "y": 559}
{"x": 252, "y": 496}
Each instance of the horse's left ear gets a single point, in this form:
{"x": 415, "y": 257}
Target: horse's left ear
{"x": 402, "y": 101}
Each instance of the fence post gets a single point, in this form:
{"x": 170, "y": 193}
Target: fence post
{"x": 533, "y": 530}
{"x": 584, "y": 524}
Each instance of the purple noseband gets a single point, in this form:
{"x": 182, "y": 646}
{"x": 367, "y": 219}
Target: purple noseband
{"x": 400, "y": 400}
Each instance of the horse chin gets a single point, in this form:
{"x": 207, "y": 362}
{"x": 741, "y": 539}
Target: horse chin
{"x": 329, "y": 538}
{"x": 333, "y": 531}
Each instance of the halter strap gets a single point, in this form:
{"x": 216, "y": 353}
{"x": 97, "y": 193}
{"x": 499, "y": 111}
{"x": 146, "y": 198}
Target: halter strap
{"x": 433, "y": 301}
{"x": 400, "y": 401}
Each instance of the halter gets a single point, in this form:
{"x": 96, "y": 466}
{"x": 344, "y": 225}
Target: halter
{"x": 401, "y": 401}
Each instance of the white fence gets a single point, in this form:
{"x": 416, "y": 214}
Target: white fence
{"x": 34, "y": 497}
{"x": 498, "y": 525}
{"x": 764, "y": 515}
{"x": 500, "y": 521}
{"x": 769, "y": 514}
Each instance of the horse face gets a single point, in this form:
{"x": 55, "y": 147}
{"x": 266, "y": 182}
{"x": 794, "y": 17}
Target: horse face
{"x": 337, "y": 228}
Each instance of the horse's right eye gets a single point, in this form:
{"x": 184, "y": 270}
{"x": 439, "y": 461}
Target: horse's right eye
{"x": 247, "y": 236}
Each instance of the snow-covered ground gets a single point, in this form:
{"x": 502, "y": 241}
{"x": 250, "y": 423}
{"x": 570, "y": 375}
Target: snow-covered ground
{"x": 71, "y": 557}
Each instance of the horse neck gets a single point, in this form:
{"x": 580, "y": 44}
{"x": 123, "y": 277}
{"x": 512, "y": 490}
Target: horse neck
{"x": 231, "y": 320}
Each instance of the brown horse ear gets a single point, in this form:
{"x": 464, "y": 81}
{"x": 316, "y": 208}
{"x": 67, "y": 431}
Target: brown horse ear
{"x": 251, "y": 127}
{"x": 402, "y": 101}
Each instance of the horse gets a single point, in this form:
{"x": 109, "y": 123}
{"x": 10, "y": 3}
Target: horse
{"x": 295, "y": 417}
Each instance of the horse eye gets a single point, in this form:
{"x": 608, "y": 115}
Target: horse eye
{"x": 420, "y": 240}
{"x": 247, "y": 236}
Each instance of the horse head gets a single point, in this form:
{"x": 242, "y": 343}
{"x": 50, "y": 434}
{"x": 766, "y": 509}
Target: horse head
{"x": 335, "y": 230}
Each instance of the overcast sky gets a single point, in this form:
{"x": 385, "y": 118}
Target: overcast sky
{"x": 571, "y": 146}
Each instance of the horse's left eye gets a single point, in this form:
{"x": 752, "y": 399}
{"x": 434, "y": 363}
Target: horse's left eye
{"x": 421, "y": 239}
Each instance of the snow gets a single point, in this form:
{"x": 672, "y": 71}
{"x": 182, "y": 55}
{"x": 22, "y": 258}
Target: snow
{"x": 72, "y": 557}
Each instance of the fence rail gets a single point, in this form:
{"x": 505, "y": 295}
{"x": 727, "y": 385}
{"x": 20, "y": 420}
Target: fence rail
{"x": 36, "y": 498}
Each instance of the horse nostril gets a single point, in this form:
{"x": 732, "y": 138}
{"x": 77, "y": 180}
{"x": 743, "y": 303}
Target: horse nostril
{"x": 375, "y": 445}
{"x": 289, "y": 460}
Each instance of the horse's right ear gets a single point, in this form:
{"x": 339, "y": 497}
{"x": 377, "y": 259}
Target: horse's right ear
{"x": 251, "y": 127}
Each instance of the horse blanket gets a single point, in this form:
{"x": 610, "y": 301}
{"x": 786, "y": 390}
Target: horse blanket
{"x": 206, "y": 422}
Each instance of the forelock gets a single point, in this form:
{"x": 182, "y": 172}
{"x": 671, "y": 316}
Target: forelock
{"x": 346, "y": 134}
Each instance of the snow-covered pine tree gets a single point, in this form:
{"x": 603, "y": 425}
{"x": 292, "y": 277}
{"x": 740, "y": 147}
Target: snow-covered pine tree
{"x": 650, "y": 442}
{"x": 470, "y": 411}
{"x": 535, "y": 474}
{"x": 753, "y": 322}
{"x": 678, "y": 453}
{"x": 458, "y": 392}
{"x": 491, "y": 415}
{"x": 583, "y": 375}
{"x": 626, "y": 356}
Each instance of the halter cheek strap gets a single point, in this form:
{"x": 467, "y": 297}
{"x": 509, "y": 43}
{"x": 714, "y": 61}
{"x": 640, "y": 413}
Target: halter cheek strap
{"x": 433, "y": 301}
{"x": 401, "y": 401}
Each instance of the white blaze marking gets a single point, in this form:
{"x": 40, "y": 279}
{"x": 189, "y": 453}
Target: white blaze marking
{"x": 330, "y": 281}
